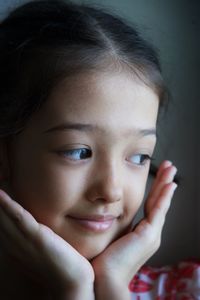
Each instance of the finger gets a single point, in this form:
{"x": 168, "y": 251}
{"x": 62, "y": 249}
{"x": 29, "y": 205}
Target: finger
{"x": 12, "y": 240}
{"x": 166, "y": 177}
{"x": 165, "y": 164}
{"x": 161, "y": 171}
{"x": 21, "y": 217}
{"x": 157, "y": 216}
{"x": 151, "y": 227}
{"x": 20, "y": 229}
{"x": 149, "y": 230}
{"x": 21, "y": 221}
{"x": 132, "y": 250}
{"x": 26, "y": 239}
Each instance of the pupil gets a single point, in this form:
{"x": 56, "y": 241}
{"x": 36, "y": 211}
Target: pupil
{"x": 84, "y": 153}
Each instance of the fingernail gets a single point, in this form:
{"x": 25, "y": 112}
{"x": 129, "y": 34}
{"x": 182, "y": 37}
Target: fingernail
{"x": 168, "y": 163}
{"x": 174, "y": 186}
{"x": 173, "y": 171}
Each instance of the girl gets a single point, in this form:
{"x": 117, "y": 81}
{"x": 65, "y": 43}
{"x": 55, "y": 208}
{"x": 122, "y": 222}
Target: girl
{"x": 80, "y": 95}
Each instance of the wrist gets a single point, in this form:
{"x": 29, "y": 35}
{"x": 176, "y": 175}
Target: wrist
{"x": 76, "y": 289}
{"x": 109, "y": 288}
{"x": 76, "y": 292}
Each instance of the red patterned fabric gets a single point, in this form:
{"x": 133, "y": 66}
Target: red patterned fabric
{"x": 180, "y": 282}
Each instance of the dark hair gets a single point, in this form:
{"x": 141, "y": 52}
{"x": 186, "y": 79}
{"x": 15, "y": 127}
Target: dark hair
{"x": 43, "y": 42}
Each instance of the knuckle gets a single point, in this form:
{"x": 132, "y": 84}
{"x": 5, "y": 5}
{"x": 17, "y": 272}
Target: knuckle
{"x": 38, "y": 237}
{"x": 40, "y": 233}
{"x": 43, "y": 235}
{"x": 151, "y": 237}
{"x": 157, "y": 243}
{"x": 18, "y": 216}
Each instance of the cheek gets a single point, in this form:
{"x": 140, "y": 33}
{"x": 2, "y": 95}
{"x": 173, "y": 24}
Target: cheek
{"x": 45, "y": 189}
{"x": 134, "y": 195}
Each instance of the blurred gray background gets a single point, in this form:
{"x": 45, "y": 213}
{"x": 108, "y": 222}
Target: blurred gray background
{"x": 173, "y": 26}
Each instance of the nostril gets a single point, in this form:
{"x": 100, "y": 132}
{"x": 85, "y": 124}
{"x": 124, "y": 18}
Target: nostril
{"x": 109, "y": 194}
{"x": 106, "y": 185}
{"x": 104, "y": 195}
{"x": 109, "y": 199}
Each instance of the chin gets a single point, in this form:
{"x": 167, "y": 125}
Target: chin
{"x": 90, "y": 250}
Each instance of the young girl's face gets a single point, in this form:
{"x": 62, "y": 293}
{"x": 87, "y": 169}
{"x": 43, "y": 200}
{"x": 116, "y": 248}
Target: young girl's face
{"x": 81, "y": 166}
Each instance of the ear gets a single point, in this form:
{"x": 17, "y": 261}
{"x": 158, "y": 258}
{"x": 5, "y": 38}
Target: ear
{"x": 4, "y": 163}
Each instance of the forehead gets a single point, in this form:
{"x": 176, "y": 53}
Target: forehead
{"x": 111, "y": 100}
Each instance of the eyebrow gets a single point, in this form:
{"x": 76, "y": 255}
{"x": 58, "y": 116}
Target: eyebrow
{"x": 89, "y": 128}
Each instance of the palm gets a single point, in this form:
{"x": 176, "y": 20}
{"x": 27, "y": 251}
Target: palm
{"x": 38, "y": 249}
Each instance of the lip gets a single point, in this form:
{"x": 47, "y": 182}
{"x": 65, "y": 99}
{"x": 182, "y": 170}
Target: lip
{"x": 95, "y": 223}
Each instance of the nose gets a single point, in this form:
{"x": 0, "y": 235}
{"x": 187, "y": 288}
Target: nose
{"x": 105, "y": 184}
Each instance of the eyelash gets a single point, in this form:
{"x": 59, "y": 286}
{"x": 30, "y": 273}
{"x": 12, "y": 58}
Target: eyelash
{"x": 144, "y": 158}
{"x": 72, "y": 151}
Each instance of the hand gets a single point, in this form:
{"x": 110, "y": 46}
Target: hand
{"x": 116, "y": 266}
{"x": 42, "y": 253}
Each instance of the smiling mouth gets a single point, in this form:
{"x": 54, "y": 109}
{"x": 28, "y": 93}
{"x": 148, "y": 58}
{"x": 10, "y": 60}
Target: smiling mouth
{"x": 95, "y": 223}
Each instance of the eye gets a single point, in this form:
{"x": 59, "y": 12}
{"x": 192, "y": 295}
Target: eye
{"x": 77, "y": 154}
{"x": 140, "y": 159}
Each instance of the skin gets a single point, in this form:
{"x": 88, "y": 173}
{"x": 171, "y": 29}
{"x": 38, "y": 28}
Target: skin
{"x": 50, "y": 184}
{"x": 108, "y": 182}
